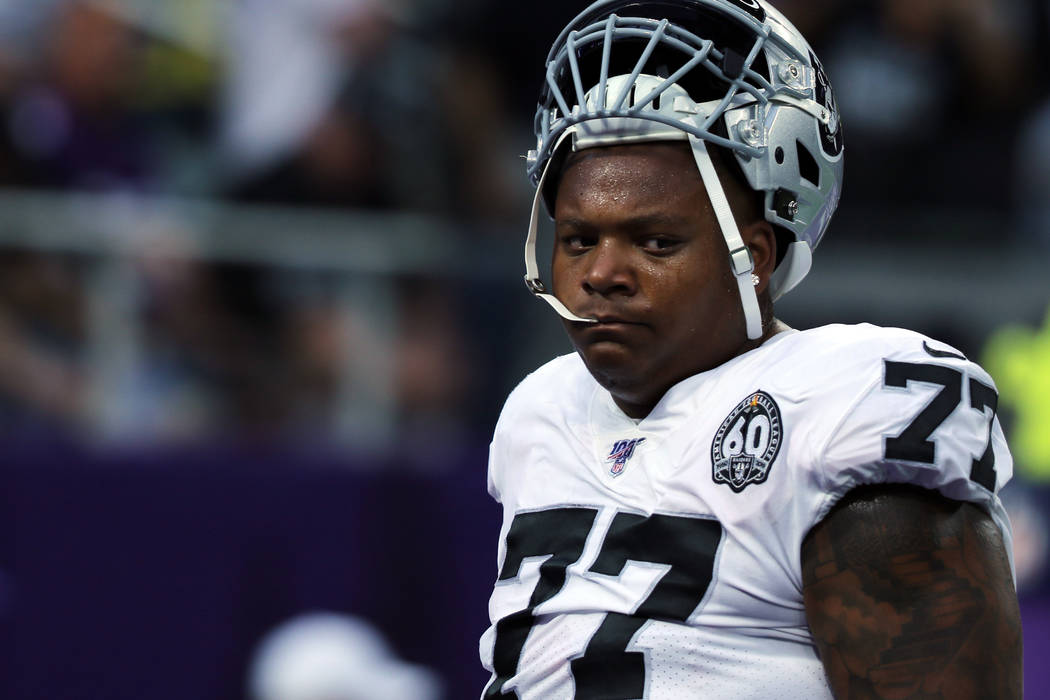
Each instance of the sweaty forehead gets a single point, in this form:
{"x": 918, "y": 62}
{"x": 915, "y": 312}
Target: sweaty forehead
{"x": 636, "y": 173}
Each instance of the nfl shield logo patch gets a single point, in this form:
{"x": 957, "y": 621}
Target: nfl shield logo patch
{"x": 622, "y": 451}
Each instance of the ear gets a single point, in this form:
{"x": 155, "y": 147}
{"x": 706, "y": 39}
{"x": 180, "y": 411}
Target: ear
{"x": 760, "y": 238}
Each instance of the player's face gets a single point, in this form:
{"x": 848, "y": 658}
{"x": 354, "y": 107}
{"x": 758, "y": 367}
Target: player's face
{"x": 637, "y": 246}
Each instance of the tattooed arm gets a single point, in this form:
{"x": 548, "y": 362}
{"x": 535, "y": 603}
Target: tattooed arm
{"x": 909, "y": 595}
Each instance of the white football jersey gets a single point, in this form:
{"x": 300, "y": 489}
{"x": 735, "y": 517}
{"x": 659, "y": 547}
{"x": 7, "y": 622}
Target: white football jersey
{"x": 661, "y": 558}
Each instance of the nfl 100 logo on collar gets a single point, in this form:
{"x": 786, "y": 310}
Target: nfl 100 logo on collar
{"x": 747, "y": 442}
{"x": 622, "y": 451}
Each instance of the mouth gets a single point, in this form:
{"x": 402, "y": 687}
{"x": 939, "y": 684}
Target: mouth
{"x": 601, "y": 319}
{"x": 615, "y": 320}
{"x": 608, "y": 327}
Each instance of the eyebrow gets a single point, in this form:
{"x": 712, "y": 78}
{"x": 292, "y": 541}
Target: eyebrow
{"x": 641, "y": 221}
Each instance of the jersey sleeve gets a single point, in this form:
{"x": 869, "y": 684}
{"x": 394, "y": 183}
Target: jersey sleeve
{"x": 530, "y": 403}
{"x": 491, "y": 476}
{"x": 499, "y": 447}
{"x": 921, "y": 416}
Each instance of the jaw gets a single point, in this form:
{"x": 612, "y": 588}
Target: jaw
{"x": 635, "y": 398}
{"x": 637, "y": 369}
{"x": 630, "y": 379}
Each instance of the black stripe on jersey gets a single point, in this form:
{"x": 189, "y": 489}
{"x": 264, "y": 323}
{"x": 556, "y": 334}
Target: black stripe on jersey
{"x": 933, "y": 352}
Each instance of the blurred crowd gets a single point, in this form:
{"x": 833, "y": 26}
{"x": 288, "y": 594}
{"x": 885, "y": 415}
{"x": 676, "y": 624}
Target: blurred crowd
{"x": 342, "y": 104}
{"x": 392, "y": 106}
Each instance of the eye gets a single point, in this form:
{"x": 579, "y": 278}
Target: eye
{"x": 660, "y": 244}
{"x": 577, "y": 242}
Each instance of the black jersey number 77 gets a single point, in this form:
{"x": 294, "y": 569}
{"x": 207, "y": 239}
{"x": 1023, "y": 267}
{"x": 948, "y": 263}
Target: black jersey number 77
{"x": 914, "y": 443}
{"x": 606, "y": 670}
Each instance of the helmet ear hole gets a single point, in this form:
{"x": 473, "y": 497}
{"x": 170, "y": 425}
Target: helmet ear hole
{"x": 779, "y": 155}
{"x": 784, "y": 238}
{"x": 807, "y": 165}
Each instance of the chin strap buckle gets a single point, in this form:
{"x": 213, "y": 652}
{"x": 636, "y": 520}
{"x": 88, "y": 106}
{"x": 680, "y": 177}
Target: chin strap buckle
{"x": 535, "y": 285}
{"x": 741, "y": 261}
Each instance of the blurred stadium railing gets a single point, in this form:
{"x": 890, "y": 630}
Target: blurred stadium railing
{"x": 955, "y": 282}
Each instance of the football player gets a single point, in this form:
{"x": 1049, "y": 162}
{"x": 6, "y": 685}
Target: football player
{"x": 702, "y": 502}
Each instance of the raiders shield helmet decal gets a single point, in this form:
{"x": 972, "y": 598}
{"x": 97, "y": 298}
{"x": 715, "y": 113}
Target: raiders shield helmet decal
{"x": 747, "y": 442}
{"x": 752, "y": 8}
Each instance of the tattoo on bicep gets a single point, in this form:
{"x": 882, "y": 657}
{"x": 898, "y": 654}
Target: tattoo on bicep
{"x": 906, "y": 598}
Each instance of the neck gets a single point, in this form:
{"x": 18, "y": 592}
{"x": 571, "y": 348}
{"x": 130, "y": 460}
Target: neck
{"x": 640, "y": 410}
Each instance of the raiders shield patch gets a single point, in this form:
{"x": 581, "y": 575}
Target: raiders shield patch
{"x": 747, "y": 442}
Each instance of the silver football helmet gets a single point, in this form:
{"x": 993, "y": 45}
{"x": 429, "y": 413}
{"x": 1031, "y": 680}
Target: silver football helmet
{"x": 734, "y": 73}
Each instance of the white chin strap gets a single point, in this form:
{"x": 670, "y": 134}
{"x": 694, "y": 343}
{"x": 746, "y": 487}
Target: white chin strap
{"x": 740, "y": 259}
{"x": 532, "y": 270}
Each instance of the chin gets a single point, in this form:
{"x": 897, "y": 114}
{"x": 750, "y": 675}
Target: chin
{"x": 615, "y": 368}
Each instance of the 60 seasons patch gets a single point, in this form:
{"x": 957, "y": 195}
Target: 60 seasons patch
{"x": 747, "y": 442}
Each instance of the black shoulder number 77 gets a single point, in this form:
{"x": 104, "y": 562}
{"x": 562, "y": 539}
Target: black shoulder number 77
{"x": 914, "y": 444}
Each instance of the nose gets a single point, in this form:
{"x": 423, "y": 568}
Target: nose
{"x": 609, "y": 269}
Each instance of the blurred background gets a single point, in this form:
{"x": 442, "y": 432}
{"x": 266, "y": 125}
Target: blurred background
{"x": 261, "y": 302}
